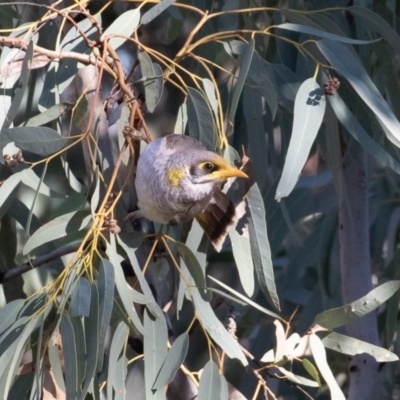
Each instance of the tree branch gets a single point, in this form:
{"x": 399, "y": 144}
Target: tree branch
{"x": 37, "y": 262}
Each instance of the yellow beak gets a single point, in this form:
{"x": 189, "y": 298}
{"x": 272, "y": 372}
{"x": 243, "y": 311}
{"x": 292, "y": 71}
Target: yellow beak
{"x": 225, "y": 170}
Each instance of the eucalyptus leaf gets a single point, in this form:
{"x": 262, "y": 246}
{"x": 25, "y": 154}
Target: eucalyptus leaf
{"x": 124, "y": 25}
{"x": 155, "y": 352}
{"x": 297, "y": 379}
{"x": 121, "y": 370}
{"x": 155, "y": 11}
{"x": 260, "y": 248}
{"x": 175, "y": 358}
{"x": 58, "y": 228}
{"x": 210, "y": 383}
{"x": 350, "y": 346}
{"x": 340, "y": 316}
{"x": 80, "y": 299}
{"x": 8, "y": 191}
{"x": 309, "y": 109}
{"x": 49, "y": 115}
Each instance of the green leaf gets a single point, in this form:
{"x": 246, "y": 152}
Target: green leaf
{"x": 91, "y": 325}
{"x": 297, "y": 379}
{"x": 194, "y": 268}
{"x": 49, "y": 115}
{"x": 175, "y": 358}
{"x": 244, "y": 263}
{"x": 246, "y": 300}
{"x": 38, "y": 140}
{"x": 247, "y": 56}
{"x": 224, "y": 388}
{"x": 372, "y": 20}
{"x": 155, "y": 351}
{"x": 118, "y": 342}
{"x": 309, "y": 367}
{"x": 348, "y": 345}
{"x": 124, "y": 25}
{"x": 55, "y": 363}
{"x": 106, "y": 285}
{"x": 9, "y": 313}
{"x": 181, "y": 120}
{"x": 121, "y": 371}
{"x": 8, "y": 191}
{"x": 319, "y": 354}
{"x": 94, "y": 201}
{"x": 260, "y": 248}
{"x": 210, "y": 383}
{"x": 345, "y": 62}
{"x": 30, "y": 179}
{"x": 24, "y": 78}
{"x": 152, "y": 82}
{"x": 326, "y": 35}
{"x": 125, "y": 292}
{"x": 155, "y": 11}
{"x": 21, "y": 386}
{"x": 58, "y": 228}
{"x": 340, "y": 316}
{"x": 350, "y": 122}
{"x": 80, "y": 299}
{"x": 209, "y": 90}
{"x": 227, "y": 296}
{"x": 309, "y": 109}
{"x": 215, "y": 328}
{"x": 200, "y": 119}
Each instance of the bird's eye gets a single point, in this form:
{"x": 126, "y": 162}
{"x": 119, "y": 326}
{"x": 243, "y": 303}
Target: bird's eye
{"x": 208, "y": 167}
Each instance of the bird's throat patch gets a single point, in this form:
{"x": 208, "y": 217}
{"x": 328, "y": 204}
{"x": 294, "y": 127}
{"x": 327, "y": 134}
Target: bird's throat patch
{"x": 175, "y": 176}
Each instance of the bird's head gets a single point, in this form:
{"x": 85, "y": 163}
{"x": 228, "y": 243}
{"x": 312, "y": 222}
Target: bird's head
{"x": 204, "y": 168}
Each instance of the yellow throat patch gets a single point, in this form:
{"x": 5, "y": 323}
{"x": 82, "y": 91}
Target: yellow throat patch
{"x": 175, "y": 176}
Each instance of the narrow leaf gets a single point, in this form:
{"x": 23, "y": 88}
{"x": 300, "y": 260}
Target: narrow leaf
{"x": 173, "y": 361}
{"x": 319, "y": 354}
{"x": 344, "y": 61}
{"x": 80, "y": 299}
{"x": 8, "y": 191}
{"x": 246, "y": 300}
{"x": 309, "y": 109}
{"x": 348, "y": 345}
{"x": 49, "y": 115}
{"x": 58, "y": 228}
{"x": 326, "y": 35}
{"x": 124, "y": 25}
{"x": 309, "y": 367}
{"x": 247, "y": 56}
{"x": 210, "y": 383}
{"x": 24, "y": 78}
{"x": 260, "y": 248}
{"x": 121, "y": 369}
{"x": 214, "y": 327}
{"x": 340, "y": 316}
{"x": 155, "y": 351}
{"x": 155, "y": 11}
{"x": 200, "y": 119}
{"x": 118, "y": 342}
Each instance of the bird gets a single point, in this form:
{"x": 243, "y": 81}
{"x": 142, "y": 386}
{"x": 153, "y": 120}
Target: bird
{"x": 178, "y": 179}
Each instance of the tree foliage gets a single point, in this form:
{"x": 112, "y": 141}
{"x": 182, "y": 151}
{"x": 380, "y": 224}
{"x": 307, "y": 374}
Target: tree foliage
{"x": 302, "y": 96}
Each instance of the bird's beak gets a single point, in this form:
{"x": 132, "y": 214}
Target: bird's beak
{"x": 225, "y": 170}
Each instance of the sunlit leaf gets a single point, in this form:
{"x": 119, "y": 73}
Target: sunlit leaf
{"x": 58, "y": 228}
{"x": 181, "y": 119}
{"x": 124, "y": 25}
{"x": 155, "y": 11}
{"x": 260, "y": 248}
{"x": 224, "y": 388}
{"x": 94, "y": 201}
{"x": 210, "y": 383}
{"x": 319, "y": 354}
{"x": 309, "y": 109}
{"x": 155, "y": 351}
{"x": 121, "y": 370}
{"x": 9, "y": 313}
{"x": 348, "y": 345}
{"x": 297, "y": 379}
{"x": 55, "y": 362}
{"x": 173, "y": 361}
{"x": 309, "y": 367}
{"x": 8, "y": 191}
{"x": 340, "y": 316}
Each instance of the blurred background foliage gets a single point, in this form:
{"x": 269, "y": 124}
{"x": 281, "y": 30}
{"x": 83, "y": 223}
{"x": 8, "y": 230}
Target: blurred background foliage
{"x": 80, "y": 83}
